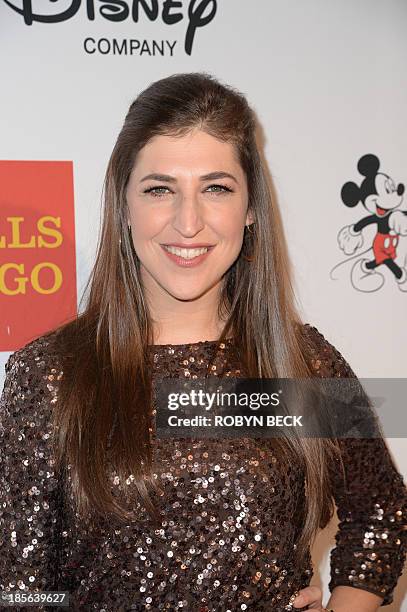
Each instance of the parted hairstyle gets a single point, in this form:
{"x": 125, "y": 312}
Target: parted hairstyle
{"x": 105, "y": 399}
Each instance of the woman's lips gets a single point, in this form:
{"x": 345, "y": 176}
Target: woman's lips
{"x": 187, "y": 263}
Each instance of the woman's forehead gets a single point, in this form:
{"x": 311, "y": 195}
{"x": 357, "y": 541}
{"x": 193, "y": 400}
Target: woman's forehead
{"x": 197, "y": 151}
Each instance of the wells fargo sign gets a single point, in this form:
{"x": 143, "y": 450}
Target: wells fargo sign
{"x": 37, "y": 249}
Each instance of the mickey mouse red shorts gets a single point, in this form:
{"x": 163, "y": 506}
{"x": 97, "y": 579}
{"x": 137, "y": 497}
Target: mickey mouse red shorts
{"x": 384, "y": 246}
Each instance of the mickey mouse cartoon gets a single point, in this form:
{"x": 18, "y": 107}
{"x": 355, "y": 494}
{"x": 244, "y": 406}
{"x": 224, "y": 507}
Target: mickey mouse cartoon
{"x": 381, "y": 197}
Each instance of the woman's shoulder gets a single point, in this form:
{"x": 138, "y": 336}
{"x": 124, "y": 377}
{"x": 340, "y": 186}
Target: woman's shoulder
{"x": 31, "y": 380}
{"x": 325, "y": 358}
{"x": 27, "y": 429}
{"x": 37, "y": 353}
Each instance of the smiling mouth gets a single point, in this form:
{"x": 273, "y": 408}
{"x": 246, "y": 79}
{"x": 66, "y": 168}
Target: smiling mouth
{"x": 381, "y": 211}
{"x": 187, "y": 253}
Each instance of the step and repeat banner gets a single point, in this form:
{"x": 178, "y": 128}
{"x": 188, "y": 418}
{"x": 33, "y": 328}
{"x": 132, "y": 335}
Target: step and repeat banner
{"x": 328, "y": 83}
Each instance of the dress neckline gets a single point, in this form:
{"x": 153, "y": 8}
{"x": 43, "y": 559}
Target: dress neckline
{"x": 191, "y": 345}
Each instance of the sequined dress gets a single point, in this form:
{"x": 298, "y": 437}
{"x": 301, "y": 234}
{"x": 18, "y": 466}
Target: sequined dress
{"x": 230, "y": 510}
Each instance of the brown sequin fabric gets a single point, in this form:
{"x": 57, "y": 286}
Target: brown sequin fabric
{"x": 230, "y": 507}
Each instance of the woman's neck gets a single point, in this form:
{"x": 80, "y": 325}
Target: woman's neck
{"x": 180, "y": 331}
{"x": 185, "y": 321}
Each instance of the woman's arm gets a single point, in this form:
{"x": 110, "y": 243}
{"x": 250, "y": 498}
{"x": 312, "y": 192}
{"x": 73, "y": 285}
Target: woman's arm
{"x": 372, "y": 507}
{"x": 29, "y": 488}
{"x": 371, "y": 503}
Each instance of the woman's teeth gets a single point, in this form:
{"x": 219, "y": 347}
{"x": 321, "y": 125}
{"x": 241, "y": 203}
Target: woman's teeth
{"x": 186, "y": 253}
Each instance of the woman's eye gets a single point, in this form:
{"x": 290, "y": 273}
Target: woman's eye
{"x": 156, "y": 191}
{"x": 162, "y": 190}
{"x": 220, "y": 188}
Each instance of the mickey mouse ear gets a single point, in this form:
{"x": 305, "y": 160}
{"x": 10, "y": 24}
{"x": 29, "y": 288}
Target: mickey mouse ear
{"x": 350, "y": 194}
{"x": 368, "y": 165}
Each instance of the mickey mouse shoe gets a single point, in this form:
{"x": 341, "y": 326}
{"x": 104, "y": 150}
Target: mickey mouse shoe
{"x": 402, "y": 281}
{"x": 364, "y": 279}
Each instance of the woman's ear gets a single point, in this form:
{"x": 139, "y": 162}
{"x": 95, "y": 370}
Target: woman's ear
{"x": 249, "y": 218}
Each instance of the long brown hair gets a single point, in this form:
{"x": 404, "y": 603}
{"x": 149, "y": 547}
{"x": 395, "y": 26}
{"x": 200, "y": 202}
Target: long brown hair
{"x": 105, "y": 393}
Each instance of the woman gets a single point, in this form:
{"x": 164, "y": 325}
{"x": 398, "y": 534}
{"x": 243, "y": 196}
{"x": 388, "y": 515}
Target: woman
{"x": 191, "y": 279}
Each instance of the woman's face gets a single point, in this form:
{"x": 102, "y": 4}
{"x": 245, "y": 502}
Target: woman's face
{"x": 187, "y": 192}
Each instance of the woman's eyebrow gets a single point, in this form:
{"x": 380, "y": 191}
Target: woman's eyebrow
{"x": 206, "y": 177}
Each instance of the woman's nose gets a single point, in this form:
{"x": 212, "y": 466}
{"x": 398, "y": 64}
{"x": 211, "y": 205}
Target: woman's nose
{"x": 188, "y": 218}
